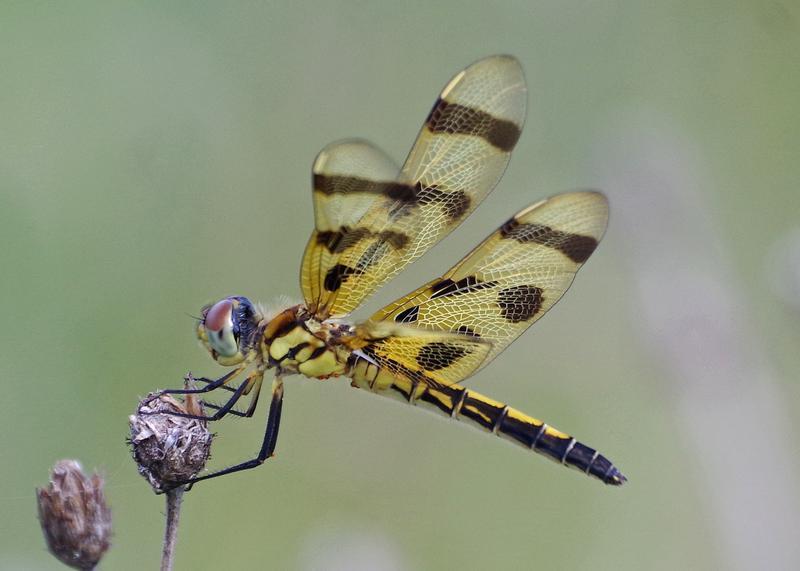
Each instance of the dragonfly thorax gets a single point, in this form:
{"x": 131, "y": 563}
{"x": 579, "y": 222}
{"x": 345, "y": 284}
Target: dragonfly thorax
{"x": 294, "y": 342}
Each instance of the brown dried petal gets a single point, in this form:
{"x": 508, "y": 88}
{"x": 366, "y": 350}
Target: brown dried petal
{"x": 74, "y": 515}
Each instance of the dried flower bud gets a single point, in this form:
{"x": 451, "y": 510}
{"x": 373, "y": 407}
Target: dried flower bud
{"x": 75, "y": 518}
{"x": 169, "y": 449}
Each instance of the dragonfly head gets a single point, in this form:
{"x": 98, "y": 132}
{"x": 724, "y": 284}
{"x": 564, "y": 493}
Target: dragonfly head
{"x": 228, "y": 329}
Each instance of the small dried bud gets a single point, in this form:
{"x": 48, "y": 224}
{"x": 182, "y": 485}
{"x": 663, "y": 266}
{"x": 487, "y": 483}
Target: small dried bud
{"x": 75, "y": 518}
{"x": 168, "y": 449}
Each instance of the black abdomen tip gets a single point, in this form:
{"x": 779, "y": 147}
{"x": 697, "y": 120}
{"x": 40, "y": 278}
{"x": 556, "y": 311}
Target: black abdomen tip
{"x": 601, "y": 468}
{"x": 615, "y": 477}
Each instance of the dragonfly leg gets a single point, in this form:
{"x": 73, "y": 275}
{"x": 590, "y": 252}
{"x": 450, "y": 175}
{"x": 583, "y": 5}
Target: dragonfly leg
{"x": 254, "y": 379}
{"x": 251, "y": 408}
{"x": 210, "y": 381}
{"x": 268, "y": 444}
{"x": 210, "y": 386}
{"x": 232, "y": 412}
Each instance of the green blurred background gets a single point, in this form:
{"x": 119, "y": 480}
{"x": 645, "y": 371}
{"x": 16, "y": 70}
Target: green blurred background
{"x": 156, "y": 157}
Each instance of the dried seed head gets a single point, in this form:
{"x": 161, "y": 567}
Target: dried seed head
{"x": 75, "y": 518}
{"x": 168, "y": 449}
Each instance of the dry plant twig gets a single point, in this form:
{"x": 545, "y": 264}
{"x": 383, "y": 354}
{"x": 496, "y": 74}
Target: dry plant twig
{"x": 169, "y": 450}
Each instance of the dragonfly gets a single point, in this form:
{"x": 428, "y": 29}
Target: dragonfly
{"x": 373, "y": 218}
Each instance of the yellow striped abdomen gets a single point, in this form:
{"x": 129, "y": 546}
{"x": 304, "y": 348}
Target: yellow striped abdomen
{"x": 489, "y": 415}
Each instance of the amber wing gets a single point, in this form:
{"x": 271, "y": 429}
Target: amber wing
{"x": 513, "y": 277}
{"x": 371, "y": 223}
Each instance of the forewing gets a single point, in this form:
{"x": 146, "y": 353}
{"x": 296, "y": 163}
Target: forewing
{"x": 348, "y": 177}
{"x": 460, "y": 154}
{"x": 513, "y": 277}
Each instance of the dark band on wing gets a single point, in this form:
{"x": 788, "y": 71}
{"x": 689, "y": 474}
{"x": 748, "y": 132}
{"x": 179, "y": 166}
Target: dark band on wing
{"x": 395, "y": 367}
{"x": 576, "y": 247}
{"x": 337, "y": 275}
{"x": 468, "y": 284}
{"x": 437, "y": 355}
{"x": 519, "y": 303}
{"x": 446, "y": 117}
{"x": 455, "y": 203}
{"x": 464, "y": 330}
{"x": 409, "y": 315}
{"x": 340, "y": 184}
{"x": 337, "y": 241}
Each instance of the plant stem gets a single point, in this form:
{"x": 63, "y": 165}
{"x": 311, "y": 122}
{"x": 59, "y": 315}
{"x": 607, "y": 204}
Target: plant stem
{"x": 174, "y": 499}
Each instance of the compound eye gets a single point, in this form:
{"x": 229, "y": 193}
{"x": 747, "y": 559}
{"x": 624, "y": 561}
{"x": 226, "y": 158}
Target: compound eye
{"x": 219, "y": 328}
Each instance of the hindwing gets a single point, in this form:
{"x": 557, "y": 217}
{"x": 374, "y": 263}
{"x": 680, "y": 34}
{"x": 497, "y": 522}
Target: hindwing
{"x": 513, "y": 277}
{"x": 422, "y": 356}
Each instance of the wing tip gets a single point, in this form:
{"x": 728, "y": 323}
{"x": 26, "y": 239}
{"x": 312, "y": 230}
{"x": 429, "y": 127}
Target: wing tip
{"x": 506, "y": 59}
{"x": 506, "y": 66}
{"x": 589, "y": 194}
{"x": 510, "y": 65}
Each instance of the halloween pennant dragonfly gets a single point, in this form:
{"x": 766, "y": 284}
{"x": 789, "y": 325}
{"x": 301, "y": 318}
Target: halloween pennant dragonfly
{"x": 371, "y": 220}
